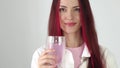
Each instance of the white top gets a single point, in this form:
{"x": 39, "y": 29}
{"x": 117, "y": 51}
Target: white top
{"x": 68, "y": 61}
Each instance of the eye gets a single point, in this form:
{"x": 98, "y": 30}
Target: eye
{"x": 62, "y": 10}
{"x": 77, "y": 9}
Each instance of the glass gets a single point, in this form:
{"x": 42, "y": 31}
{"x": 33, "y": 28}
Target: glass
{"x": 57, "y": 43}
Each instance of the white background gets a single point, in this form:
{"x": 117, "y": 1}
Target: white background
{"x": 23, "y": 28}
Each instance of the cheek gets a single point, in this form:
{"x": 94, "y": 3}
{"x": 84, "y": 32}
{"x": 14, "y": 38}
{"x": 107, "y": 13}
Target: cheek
{"x": 62, "y": 24}
{"x": 77, "y": 19}
{"x": 62, "y": 18}
{"x": 61, "y": 21}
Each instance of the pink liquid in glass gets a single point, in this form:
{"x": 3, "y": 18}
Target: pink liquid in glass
{"x": 59, "y": 50}
{"x": 57, "y": 43}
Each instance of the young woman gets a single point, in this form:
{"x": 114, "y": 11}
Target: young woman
{"x": 73, "y": 19}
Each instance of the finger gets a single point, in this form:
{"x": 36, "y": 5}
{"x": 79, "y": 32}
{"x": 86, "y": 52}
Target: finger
{"x": 48, "y": 56}
{"x": 49, "y": 66}
{"x": 47, "y": 51}
{"x": 47, "y": 62}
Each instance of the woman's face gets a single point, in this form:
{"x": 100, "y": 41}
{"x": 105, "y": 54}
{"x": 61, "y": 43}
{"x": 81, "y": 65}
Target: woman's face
{"x": 69, "y": 16}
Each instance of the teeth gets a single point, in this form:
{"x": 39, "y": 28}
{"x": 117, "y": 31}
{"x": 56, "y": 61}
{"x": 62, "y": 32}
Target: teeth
{"x": 70, "y": 24}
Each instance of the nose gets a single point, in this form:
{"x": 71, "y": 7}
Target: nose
{"x": 69, "y": 15}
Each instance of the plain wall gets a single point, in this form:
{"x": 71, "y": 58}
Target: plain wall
{"x": 23, "y": 28}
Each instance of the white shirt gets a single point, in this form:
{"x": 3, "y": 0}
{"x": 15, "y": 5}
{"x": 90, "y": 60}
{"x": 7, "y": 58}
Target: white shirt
{"x": 68, "y": 61}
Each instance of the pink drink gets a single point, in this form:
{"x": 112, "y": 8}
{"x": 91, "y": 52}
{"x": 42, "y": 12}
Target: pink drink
{"x": 57, "y": 43}
{"x": 59, "y": 52}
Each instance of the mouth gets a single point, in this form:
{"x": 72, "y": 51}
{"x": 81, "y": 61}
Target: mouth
{"x": 70, "y": 24}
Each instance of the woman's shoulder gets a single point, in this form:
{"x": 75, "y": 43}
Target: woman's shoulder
{"x": 108, "y": 57}
{"x": 105, "y": 52}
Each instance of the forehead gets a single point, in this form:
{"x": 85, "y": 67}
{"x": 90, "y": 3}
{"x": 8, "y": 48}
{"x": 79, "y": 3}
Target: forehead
{"x": 69, "y": 2}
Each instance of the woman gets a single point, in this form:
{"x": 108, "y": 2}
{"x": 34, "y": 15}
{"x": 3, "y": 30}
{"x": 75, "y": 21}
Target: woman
{"x": 73, "y": 19}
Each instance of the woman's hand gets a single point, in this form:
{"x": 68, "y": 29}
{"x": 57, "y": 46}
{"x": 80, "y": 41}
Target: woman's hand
{"x": 47, "y": 59}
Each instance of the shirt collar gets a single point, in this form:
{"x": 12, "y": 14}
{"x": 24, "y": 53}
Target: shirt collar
{"x": 86, "y": 52}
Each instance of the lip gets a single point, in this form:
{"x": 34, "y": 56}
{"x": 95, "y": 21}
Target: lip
{"x": 70, "y": 24}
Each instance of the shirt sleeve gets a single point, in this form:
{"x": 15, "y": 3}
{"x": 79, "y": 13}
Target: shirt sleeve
{"x": 109, "y": 59}
{"x": 36, "y": 54}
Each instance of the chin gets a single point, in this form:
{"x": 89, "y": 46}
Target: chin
{"x": 69, "y": 31}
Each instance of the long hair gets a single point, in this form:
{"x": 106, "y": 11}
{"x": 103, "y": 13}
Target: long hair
{"x": 88, "y": 30}
{"x": 54, "y": 22}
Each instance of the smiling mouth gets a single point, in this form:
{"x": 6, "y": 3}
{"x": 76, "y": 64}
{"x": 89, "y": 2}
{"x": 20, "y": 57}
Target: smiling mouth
{"x": 70, "y": 24}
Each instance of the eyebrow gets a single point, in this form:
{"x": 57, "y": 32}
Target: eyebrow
{"x": 76, "y": 7}
{"x": 63, "y": 6}
{"x": 66, "y": 6}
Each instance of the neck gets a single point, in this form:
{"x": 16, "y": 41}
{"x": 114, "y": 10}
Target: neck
{"x": 73, "y": 39}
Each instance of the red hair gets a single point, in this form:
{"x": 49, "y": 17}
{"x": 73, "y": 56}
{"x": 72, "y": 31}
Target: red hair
{"x": 88, "y": 30}
{"x": 54, "y": 22}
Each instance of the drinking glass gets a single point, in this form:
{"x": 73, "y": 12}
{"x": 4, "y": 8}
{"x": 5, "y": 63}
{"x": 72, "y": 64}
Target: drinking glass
{"x": 58, "y": 44}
